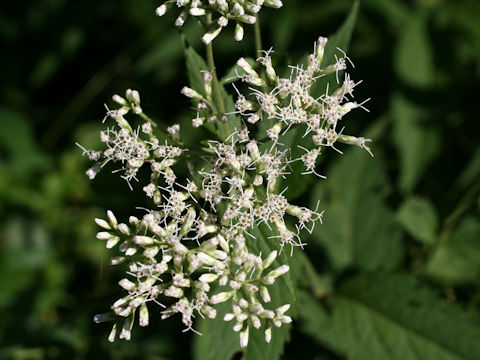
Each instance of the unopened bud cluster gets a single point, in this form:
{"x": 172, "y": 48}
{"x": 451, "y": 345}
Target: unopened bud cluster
{"x": 220, "y": 13}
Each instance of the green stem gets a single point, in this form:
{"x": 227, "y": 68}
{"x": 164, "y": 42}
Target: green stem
{"x": 318, "y": 290}
{"x": 259, "y": 47}
{"x": 258, "y": 36}
{"x": 463, "y": 205}
{"x": 216, "y": 85}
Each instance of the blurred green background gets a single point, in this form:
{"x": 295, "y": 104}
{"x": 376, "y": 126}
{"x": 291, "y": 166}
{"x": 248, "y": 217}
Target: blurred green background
{"x": 413, "y": 209}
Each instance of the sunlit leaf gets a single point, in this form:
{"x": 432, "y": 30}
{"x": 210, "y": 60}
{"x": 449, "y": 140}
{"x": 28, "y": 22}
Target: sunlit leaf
{"x": 388, "y": 316}
{"x": 221, "y": 342}
{"x": 358, "y": 227}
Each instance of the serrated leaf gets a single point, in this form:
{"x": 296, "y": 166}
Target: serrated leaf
{"x": 457, "y": 260}
{"x": 391, "y": 316}
{"x": 358, "y": 227}
{"x": 218, "y": 340}
{"x": 419, "y": 219}
{"x": 413, "y": 60}
{"x": 195, "y": 66}
{"x": 416, "y": 144}
{"x": 341, "y": 40}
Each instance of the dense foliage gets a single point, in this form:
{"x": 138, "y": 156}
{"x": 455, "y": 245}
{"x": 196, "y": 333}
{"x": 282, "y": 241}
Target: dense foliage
{"x": 394, "y": 269}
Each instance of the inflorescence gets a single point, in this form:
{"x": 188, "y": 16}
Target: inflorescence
{"x": 219, "y": 14}
{"x": 191, "y": 250}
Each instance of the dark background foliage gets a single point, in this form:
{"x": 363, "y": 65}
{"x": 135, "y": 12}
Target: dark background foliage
{"x": 398, "y": 257}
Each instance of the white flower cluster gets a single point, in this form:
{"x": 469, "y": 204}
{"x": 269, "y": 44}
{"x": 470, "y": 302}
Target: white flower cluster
{"x": 182, "y": 257}
{"x": 132, "y": 148}
{"x": 222, "y": 11}
{"x": 193, "y": 249}
{"x": 281, "y": 105}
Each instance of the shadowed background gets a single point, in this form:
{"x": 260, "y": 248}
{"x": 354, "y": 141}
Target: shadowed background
{"x": 62, "y": 60}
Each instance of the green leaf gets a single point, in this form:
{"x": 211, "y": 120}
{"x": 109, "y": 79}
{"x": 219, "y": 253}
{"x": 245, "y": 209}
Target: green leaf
{"x": 342, "y": 36}
{"x": 416, "y": 144}
{"x": 195, "y": 66}
{"x": 218, "y": 340}
{"x": 358, "y": 227}
{"x": 341, "y": 40}
{"x": 419, "y": 219}
{"x": 390, "y": 316}
{"x": 413, "y": 61}
{"x": 457, "y": 260}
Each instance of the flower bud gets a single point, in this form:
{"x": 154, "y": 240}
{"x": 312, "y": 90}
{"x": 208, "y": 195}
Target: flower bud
{"x": 281, "y": 270}
{"x": 205, "y": 259}
{"x": 112, "y": 219}
{"x": 127, "y": 284}
{"x": 104, "y": 235}
{"x": 209, "y": 311}
{"x": 113, "y": 333}
{"x": 208, "y": 278}
{"x": 112, "y": 242}
{"x": 123, "y": 228}
{"x": 117, "y": 260}
{"x": 244, "y": 338}
{"x": 228, "y": 317}
{"x": 208, "y": 37}
{"x": 256, "y": 321}
{"x": 143, "y": 240}
{"x": 274, "y": 3}
{"x": 196, "y": 11}
{"x": 245, "y": 66}
{"x": 268, "y": 334}
{"x": 238, "y": 36}
{"x": 119, "y": 100}
{"x": 269, "y": 259}
{"x": 102, "y": 223}
{"x": 162, "y": 9}
{"x": 180, "y": 20}
{"x": 133, "y": 96}
{"x": 247, "y": 19}
{"x": 221, "y": 297}
{"x": 188, "y": 92}
{"x": 127, "y": 328}
{"x": 265, "y": 294}
{"x": 143, "y": 315}
{"x": 282, "y": 309}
